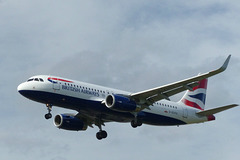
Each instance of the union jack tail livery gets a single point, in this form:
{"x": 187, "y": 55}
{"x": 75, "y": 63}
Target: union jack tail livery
{"x": 197, "y": 97}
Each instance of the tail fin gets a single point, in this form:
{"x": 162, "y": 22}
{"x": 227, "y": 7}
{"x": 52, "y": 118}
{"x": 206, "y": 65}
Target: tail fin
{"x": 197, "y": 97}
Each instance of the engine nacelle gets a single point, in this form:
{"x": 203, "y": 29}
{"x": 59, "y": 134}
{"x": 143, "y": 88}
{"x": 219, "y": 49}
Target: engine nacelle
{"x": 121, "y": 103}
{"x": 69, "y": 122}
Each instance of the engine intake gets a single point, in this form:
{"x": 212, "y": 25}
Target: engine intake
{"x": 121, "y": 103}
{"x": 69, "y": 122}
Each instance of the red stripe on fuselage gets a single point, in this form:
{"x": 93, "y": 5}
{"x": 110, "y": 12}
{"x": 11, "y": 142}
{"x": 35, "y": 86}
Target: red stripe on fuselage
{"x": 59, "y": 79}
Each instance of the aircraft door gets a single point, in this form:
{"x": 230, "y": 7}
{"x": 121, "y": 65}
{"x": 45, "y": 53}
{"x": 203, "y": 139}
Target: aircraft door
{"x": 56, "y": 85}
{"x": 185, "y": 112}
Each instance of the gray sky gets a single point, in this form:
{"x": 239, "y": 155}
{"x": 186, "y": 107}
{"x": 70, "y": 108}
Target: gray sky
{"x": 129, "y": 45}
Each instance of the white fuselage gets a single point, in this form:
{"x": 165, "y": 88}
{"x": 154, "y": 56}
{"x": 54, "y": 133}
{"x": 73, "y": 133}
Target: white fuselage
{"x": 88, "y": 99}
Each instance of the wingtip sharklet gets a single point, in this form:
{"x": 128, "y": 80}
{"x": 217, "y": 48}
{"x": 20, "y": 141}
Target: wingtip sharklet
{"x": 224, "y": 66}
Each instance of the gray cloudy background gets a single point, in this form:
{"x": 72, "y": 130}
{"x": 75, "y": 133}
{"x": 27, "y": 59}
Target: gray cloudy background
{"x": 129, "y": 45}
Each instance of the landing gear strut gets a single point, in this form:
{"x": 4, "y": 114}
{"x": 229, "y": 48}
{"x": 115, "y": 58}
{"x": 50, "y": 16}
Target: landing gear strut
{"x": 48, "y": 115}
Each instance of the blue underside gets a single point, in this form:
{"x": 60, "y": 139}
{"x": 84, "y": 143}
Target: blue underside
{"x": 96, "y": 109}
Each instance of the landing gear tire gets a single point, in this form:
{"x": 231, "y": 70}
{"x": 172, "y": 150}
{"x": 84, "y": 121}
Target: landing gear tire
{"x": 48, "y": 116}
{"x": 101, "y": 135}
{"x": 135, "y": 123}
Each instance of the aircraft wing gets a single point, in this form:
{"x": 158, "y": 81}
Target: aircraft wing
{"x": 148, "y": 97}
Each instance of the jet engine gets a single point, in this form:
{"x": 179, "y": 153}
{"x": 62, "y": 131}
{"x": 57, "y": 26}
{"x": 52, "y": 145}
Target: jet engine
{"x": 121, "y": 103}
{"x": 69, "y": 122}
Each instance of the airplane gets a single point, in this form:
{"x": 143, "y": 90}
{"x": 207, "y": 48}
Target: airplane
{"x": 97, "y": 105}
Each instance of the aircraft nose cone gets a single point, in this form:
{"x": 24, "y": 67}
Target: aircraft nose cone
{"x": 22, "y": 88}
{"x": 25, "y": 90}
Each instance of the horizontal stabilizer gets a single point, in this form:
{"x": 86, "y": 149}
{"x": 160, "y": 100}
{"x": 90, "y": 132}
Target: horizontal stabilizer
{"x": 215, "y": 110}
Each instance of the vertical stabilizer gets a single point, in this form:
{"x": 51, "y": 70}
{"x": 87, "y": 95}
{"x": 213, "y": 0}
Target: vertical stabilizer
{"x": 197, "y": 97}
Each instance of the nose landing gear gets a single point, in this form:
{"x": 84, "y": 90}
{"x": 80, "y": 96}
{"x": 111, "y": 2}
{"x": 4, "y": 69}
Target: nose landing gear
{"x": 48, "y": 115}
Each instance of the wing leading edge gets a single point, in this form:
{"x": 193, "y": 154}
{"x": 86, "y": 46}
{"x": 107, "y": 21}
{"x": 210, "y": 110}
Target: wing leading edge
{"x": 148, "y": 97}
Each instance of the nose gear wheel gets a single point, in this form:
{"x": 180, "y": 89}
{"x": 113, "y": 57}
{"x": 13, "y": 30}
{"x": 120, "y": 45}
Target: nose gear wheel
{"x": 48, "y": 115}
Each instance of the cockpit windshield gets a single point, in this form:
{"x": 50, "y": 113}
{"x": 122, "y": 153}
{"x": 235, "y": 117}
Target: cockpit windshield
{"x": 35, "y": 79}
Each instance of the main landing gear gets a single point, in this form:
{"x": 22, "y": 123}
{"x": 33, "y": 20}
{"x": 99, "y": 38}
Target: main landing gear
{"x": 136, "y": 123}
{"x": 48, "y": 115}
{"x": 101, "y": 134}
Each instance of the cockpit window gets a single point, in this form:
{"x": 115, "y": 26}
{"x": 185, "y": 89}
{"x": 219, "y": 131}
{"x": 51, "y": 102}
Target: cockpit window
{"x": 30, "y": 80}
{"x": 35, "y": 79}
